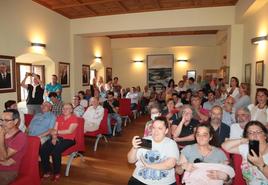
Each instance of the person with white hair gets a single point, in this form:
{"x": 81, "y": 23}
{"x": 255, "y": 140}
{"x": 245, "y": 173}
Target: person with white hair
{"x": 93, "y": 115}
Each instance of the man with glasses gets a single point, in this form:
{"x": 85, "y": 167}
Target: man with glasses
{"x": 242, "y": 117}
{"x": 12, "y": 146}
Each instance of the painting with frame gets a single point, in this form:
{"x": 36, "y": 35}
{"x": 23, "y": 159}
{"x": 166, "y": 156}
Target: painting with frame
{"x": 7, "y": 74}
{"x": 64, "y": 74}
{"x": 259, "y": 73}
{"x": 85, "y": 74}
{"x": 159, "y": 70}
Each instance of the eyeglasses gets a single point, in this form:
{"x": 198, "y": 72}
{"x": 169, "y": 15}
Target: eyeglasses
{"x": 6, "y": 120}
{"x": 259, "y": 132}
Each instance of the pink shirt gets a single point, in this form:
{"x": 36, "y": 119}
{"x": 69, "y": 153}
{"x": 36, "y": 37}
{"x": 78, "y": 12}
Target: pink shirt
{"x": 18, "y": 143}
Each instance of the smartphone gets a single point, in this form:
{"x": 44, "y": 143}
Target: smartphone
{"x": 253, "y": 145}
{"x": 146, "y": 143}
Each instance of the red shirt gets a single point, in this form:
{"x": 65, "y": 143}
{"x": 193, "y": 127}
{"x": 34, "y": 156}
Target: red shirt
{"x": 65, "y": 124}
{"x": 18, "y": 143}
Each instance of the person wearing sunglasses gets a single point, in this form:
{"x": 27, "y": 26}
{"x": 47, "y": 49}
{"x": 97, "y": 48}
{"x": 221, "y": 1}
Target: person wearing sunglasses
{"x": 204, "y": 151}
{"x": 254, "y": 166}
{"x": 12, "y": 146}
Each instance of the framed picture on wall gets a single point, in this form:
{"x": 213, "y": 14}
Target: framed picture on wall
{"x": 64, "y": 74}
{"x": 247, "y": 73}
{"x": 85, "y": 75}
{"x": 7, "y": 74}
{"x": 159, "y": 70}
{"x": 225, "y": 73}
{"x": 259, "y": 73}
{"x": 109, "y": 74}
{"x": 191, "y": 74}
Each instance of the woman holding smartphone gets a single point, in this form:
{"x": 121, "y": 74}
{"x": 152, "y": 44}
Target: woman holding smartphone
{"x": 254, "y": 166}
{"x": 155, "y": 165}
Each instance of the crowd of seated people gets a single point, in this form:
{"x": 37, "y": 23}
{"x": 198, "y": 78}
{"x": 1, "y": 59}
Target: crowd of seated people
{"x": 195, "y": 113}
{"x": 209, "y": 118}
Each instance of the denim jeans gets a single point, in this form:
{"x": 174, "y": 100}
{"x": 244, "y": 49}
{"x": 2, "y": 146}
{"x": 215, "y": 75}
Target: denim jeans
{"x": 118, "y": 119}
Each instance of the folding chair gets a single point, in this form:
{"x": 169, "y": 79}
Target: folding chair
{"x": 79, "y": 146}
{"x": 29, "y": 169}
{"x": 125, "y": 109}
{"x": 28, "y": 118}
{"x": 101, "y": 132}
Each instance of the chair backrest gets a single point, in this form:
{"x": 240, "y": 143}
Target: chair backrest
{"x": 238, "y": 179}
{"x": 28, "y": 118}
{"x": 125, "y": 107}
{"x": 79, "y": 138}
{"x": 29, "y": 165}
{"x": 103, "y": 129}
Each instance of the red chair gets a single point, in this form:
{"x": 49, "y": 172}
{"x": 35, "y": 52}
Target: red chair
{"x": 79, "y": 146}
{"x": 238, "y": 179}
{"x": 101, "y": 132}
{"x": 28, "y": 118}
{"x": 29, "y": 169}
{"x": 178, "y": 179}
{"x": 125, "y": 109}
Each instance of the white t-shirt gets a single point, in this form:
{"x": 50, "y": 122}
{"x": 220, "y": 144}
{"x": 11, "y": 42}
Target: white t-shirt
{"x": 235, "y": 93}
{"x": 251, "y": 173}
{"x": 258, "y": 114}
{"x": 236, "y": 132}
{"x": 160, "y": 152}
{"x": 134, "y": 97}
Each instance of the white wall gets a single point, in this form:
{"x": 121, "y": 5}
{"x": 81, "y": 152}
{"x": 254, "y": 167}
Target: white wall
{"x": 133, "y": 74}
{"x": 23, "y": 22}
{"x": 256, "y": 25}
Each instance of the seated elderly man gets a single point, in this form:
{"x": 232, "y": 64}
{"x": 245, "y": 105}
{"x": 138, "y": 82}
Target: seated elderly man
{"x": 12, "y": 146}
{"x": 93, "y": 115}
{"x": 42, "y": 123}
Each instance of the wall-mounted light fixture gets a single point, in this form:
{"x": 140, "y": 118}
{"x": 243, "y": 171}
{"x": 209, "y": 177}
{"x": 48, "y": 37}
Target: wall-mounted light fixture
{"x": 38, "y": 44}
{"x": 257, "y": 40}
{"x": 137, "y": 61}
{"x": 98, "y": 59}
{"x": 182, "y": 60}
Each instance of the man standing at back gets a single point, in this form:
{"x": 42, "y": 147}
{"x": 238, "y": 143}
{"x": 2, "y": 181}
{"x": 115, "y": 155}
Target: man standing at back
{"x": 35, "y": 93}
{"x": 54, "y": 86}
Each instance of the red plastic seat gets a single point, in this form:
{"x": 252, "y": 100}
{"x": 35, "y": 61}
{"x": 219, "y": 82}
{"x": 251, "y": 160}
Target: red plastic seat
{"x": 101, "y": 132}
{"x": 125, "y": 109}
{"x": 28, "y": 118}
{"x": 29, "y": 170}
{"x": 79, "y": 146}
{"x": 238, "y": 179}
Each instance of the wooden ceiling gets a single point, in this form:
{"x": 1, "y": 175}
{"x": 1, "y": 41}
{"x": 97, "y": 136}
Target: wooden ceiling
{"x": 90, "y": 8}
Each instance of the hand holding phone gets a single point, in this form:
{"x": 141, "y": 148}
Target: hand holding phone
{"x": 146, "y": 143}
{"x": 254, "y": 145}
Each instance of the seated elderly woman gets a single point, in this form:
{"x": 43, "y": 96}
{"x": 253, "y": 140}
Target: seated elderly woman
{"x": 183, "y": 129}
{"x": 155, "y": 165}
{"x": 155, "y": 112}
{"x": 204, "y": 151}
{"x": 93, "y": 115}
{"x": 62, "y": 137}
{"x": 254, "y": 166}
{"x": 12, "y": 146}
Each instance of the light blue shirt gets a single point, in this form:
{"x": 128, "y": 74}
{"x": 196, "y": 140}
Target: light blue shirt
{"x": 41, "y": 122}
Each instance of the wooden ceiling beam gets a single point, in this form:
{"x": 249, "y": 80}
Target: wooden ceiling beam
{"x": 123, "y": 7}
{"x": 82, "y": 4}
{"x": 88, "y": 8}
{"x": 158, "y": 4}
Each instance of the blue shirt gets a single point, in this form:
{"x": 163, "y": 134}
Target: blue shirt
{"x": 41, "y": 122}
{"x": 53, "y": 88}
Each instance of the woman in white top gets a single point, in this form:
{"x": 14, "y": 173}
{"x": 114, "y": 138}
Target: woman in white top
{"x": 254, "y": 167}
{"x": 259, "y": 111}
{"x": 93, "y": 115}
{"x": 233, "y": 90}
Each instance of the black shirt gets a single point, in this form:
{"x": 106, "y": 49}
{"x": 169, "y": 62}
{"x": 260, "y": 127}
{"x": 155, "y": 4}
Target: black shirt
{"x": 186, "y": 131}
{"x": 222, "y": 133}
{"x": 106, "y": 105}
{"x": 38, "y": 98}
